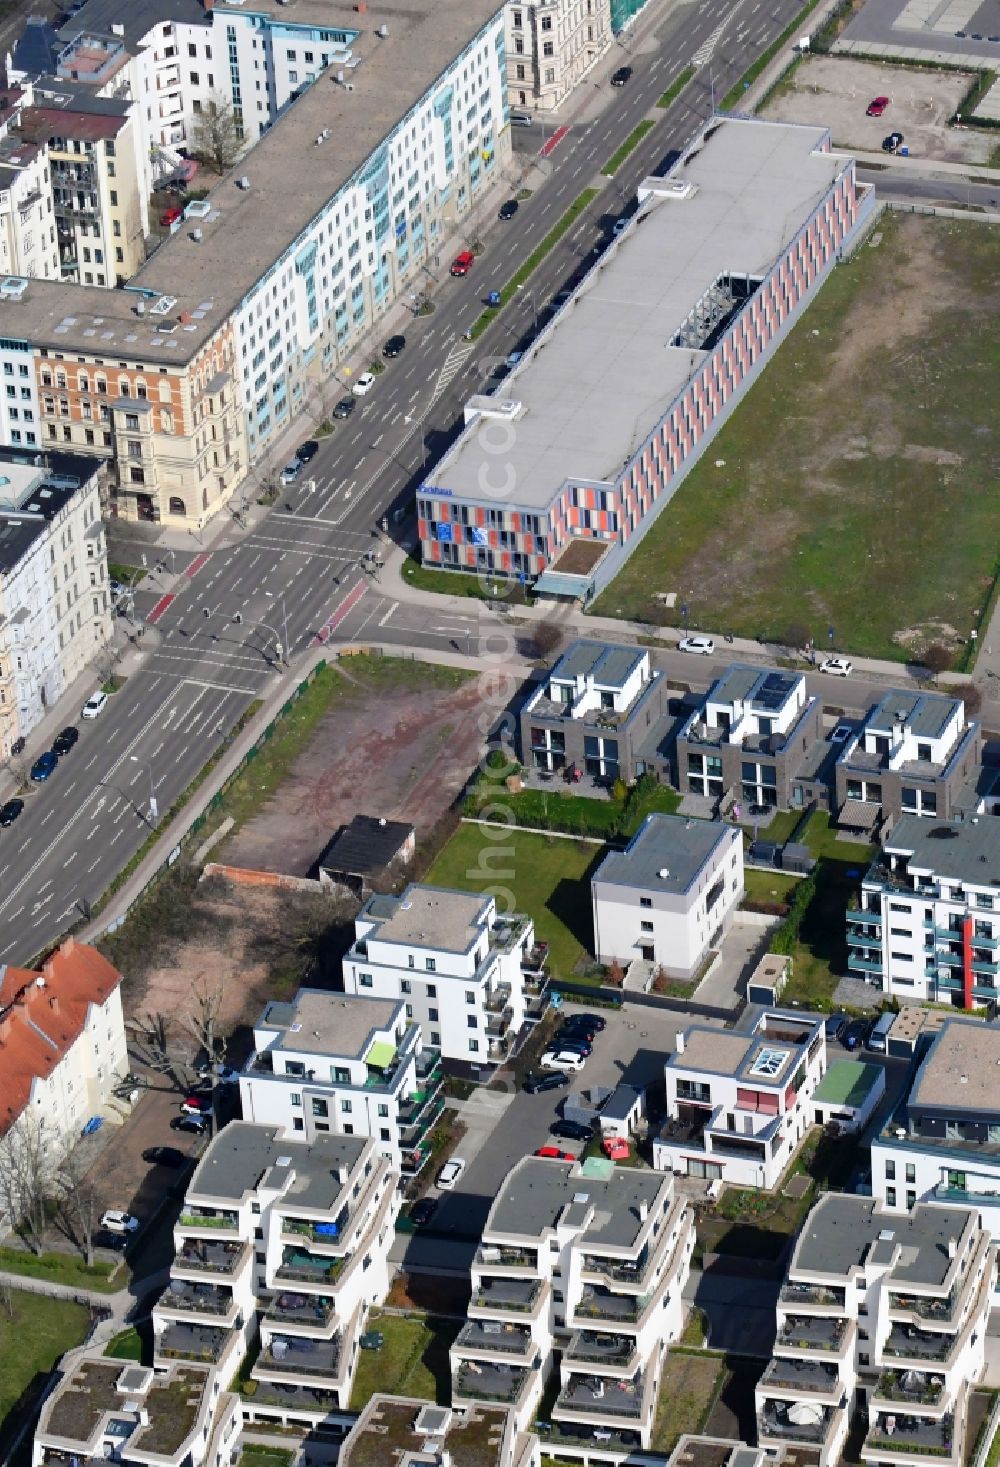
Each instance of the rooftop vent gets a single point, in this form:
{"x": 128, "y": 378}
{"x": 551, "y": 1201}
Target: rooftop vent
{"x": 117, "y": 29}
{"x": 664, "y": 873}
{"x": 581, "y": 1197}
{"x": 283, "y": 1161}
{"x": 383, "y": 31}
{"x": 163, "y": 305}
{"x": 12, "y": 287}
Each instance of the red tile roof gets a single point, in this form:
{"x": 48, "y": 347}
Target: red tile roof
{"x": 43, "y": 1014}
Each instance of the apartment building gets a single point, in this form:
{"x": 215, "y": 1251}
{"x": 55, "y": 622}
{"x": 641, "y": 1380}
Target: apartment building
{"x": 738, "y": 1105}
{"x": 927, "y": 923}
{"x": 62, "y": 1053}
{"x": 639, "y": 369}
{"x": 588, "y": 1250}
{"x": 748, "y": 739}
{"x": 885, "y": 1310}
{"x": 453, "y": 960}
{"x": 913, "y": 755}
{"x": 288, "y": 1236}
{"x": 54, "y": 612}
{"x": 943, "y": 1142}
{"x": 116, "y": 1410}
{"x": 593, "y": 713}
{"x": 27, "y": 231}
{"x": 551, "y": 46}
{"x": 347, "y": 1065}
{"x": 20, "y": 413}
{"x": 398, "y": 1428}
{"x": 668, "y": 898}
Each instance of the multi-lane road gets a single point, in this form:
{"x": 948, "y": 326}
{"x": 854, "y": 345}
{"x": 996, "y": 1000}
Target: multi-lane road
{"x": 297, "y": 575}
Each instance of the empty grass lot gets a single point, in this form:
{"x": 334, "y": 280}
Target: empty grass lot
{"x": 413, "y": 1361}
{"x": 34, "y": 1332}
{"x": 820, "y": 954}
{"x": 856, "y": 486}
{"x": 689, "y": 1388}
{"x": 548, "y": 876}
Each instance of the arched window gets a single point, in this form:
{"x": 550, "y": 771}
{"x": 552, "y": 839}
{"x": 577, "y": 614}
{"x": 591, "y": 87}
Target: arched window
{"x": 177, "y": 505}
{"x": 166, "y": 420}
{"x": 164, "y": 389}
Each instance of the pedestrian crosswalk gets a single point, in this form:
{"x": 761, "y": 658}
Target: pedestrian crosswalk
{"x": 706, "y": 49}
{"x": 453, "y": 364}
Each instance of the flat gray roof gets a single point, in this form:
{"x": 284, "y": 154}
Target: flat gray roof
{"x": 838, "y": 1233}
{"x": 670, "y": 844}
{"x": 767, "y": 689}
{"x": 538, "y": 1190}
{"x": 925, "y": 714}
{"x": 430, "y": 916}
{"x": 336, "y": 1024}
{"x": 599, "y": 379}
{"x": 609, "y": 665}
{"x": 961, "y": 1070}
{"x": 291, "y": 182}
{"x": 242, "y": 1153}
{"x": 966, "y": 850}
{"x": 137, "y": 18}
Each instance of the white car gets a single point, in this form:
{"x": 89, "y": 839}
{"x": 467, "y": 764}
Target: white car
{"x": 94, "y": 706}
{"x": 119, "y": 1222}
{"x": 837, "y": 666}
{"x": 450, "y": 1173}
{"x": 291, "y": 471}
{"x": 364, "y": 384}
{"x": 704, "y": 646}
{"x": 620, "y": 226}
{"x": 562, "y": 1059}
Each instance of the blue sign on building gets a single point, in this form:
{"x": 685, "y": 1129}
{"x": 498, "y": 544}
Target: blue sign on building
{"x": 444, "y": 532}
{"x": 479, "y": 537}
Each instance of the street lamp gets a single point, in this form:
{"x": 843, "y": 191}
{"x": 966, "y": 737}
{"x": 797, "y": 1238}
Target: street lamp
{"x": 154, "y": 809}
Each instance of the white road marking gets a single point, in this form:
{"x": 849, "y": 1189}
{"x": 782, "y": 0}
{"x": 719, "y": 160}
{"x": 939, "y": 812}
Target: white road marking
{"x": 394, "y": 607}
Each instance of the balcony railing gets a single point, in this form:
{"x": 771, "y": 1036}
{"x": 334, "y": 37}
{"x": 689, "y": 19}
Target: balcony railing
{"x": 316, "y": 1310}
{"x": 800, "y": 1375}
{"x": 910, "y": 1386}
{"x": 196, "y": 1298}
{"x": 911, "y": 1434}
{"x": 510, "y": 1339}
{"x": 227, "y": 1222}
{"x": 808, "y": 1332}
{"x": 595, "y": 1395}
{"x": 298, "y": 1267}
{"x": 488, "y": 1382}
{"x": 297, "y": 1356}
{"x": 508, "y": 1294}
{"x": 508, "y": 1257}
{"x": 595, "y": 1348}
{"x": 211, "y": 1257}
{"x": 498, "y": 999}
{"x": 921, "y": 1304}
{"x": 818, "y": 1294}
{"x": 917, "y": 1344}
{"x": 316, "y": 1232}
{"x": 625, "y": 1273}
{"x": 775, "y": 1420}
{"x": 597, "y": 1303}
{"x": 191, "y": 1342}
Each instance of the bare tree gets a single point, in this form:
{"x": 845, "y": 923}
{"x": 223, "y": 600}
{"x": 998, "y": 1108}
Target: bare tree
{"x": 797, "y": 635}
{"x": 547, "y": 637}
{"x": 203, "y": 1024}
{"x": 972, "y": 696}
{"x": 26, "y": 1178}
{"x": 936, "y": 659}
{"x": 78, "y": 1202}
{"x": 217, "y": 137}
{"x": 105, "y": 662}
{"x": 153, "y": 1030}
{"x": 16, "y": 766}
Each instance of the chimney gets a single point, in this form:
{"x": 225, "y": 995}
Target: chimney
{"x": 208, "y": 6}
{"x": 53, "y": 1003}
{"x": 679, "y": 1044}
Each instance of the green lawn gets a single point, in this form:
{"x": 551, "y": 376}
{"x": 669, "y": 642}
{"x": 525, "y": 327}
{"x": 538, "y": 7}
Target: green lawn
{"x": 676, "y": 87}
{"x": 633, "y": 140}
{"x": 62, "y": 1268}
{"x": 458, "y": 583}
{"x": 820, "y": 955}
{"x": 547, "y": 875}
{"x": 854, "y": 487}
{"x": 689, "y": 1388}
{"x": 769, "y": 886}
{"x": 413, "y": 1361}
{"x": 34, "y": 1332}
{"x": 558, "y": 808}
{"x": 125, "y": 1346}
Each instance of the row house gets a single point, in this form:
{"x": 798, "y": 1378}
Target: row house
{"x": 346, "y": 1065}
{"x": 926, "y": 925}
{"x": 886, "y": 1313}
{"x": 739, "y": 1105}
{"x": 692, "y": 298}
{"x": 290, "y": 1238}
{"x": 552, "y": 46}
{"x": 454, "y": 961}
{"x": 593, "y": 1252}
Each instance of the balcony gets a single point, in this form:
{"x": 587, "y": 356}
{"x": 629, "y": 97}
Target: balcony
{"x": 414, "y": 1131}
{"x": 508, "y": 932}
{"x": 479, "y": 1381}
{"x": 594, "y": 1348}
{"x": 630, "y": 1272}
{"x": 508, "y": 1294}
{"x": 415, "y": 1105}
{"x": 508, "y": 1257}
{"x": 313, "y": 1310}
{"x": 801, "y": 1375}
{"x": 490, "y": 1336}
{"x": 612, "y": 1439}
{"x": 428, "y": 1066}
{"x": 913, "y": 1387}
{"x": 535, "y": 960}
{"x": 921, "y": 1304}
{"x": 196, "y": 1298}
{"x": 594, "y": 1395}
{"x": 864, "y": 965}
{"x": 192, "y": 1342}
{"x": 916, "y": 1344}
{"x": 211, "y": 1257}
{"x": 498, "y": 999}
{"x": 295, "y": 1355}
{"x": 686, "y": 1130}
{"x": 864, "y": 915}
{"x": 816, "y": 1295}
{"x": 799, "y": 1421}
{"x": 299, "y": 1267}
{"x": 812, "y": 1332}
{"x": 916, "y": 1435}
{"x": 295, "y": 1397}
{"x": 598, "y": 1303}
{"x": 320, "y": 1234}
{"x": 210, "y": 1220}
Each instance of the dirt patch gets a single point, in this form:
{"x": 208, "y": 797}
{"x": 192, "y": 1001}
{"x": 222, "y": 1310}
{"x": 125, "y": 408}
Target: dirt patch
{"x": 402, "y": 747}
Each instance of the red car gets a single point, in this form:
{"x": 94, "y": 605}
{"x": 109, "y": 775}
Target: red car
{"x": 877, "y": 106}
{"x": 554, "y": 1154}
{"x": 171, "y": 216}
{"x": 463, "y": 263}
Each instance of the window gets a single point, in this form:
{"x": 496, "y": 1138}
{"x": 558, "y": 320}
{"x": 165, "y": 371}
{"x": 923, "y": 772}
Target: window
{"x": 430, "y": 964}
{"x": 411, "y": 960}
{"x": 405, "y": 985}
{"x": 296, "y": 1098}
{"x": 341, "y": 1076}
{"x": 365, "y": 980}
{"x": 432, "y": 990}
{"x": 890, "y": 1171}
{"x": 472, "y": 1021}
{"x": 346, "y": 1107}
{"x": 911, "y": 1171}
{"x": 890, "y": 1196}
{"x": 646, "y": 926}
{"x": 473, "y": 1046}
{"x": 383, "y": 1109}
{"x": 383, "y": 1133}
{"x": 911, "y": 1199}
{"x": 470, "y": 995}
{"x": 319, "y": 1106}
{"x": 646, "y": 902}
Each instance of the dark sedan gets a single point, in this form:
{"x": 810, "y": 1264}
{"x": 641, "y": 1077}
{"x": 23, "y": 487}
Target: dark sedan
{"x": 344, "y": 408}
{"x": 10, "y": 811}
{"x": 394, "y": 347}
{"x": 307, "y": 451}
{"x": 571, "y": 1130}
{"x": 508, "y": 210}
{"x": 63, "y": 742}
{"x": 43, "y": 766}
{"x": 621, "y": 76}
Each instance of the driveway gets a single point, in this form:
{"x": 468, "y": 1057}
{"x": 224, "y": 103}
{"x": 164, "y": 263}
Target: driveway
{"x": 740, "y": 953}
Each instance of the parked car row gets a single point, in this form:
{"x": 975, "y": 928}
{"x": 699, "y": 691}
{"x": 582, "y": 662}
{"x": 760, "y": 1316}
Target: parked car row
{"x": 572, "y": 1045}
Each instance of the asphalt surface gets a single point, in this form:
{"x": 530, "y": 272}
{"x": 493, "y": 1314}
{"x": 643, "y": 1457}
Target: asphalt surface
{"x": 296, "y": 579}
{"x": 951, "y": 193}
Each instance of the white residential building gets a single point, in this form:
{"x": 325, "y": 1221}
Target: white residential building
{"x": 738, "y": 1105}
{"x": 347, "y": 1065}
{"x": 928, "y": 922}
{"x": 62, "y": 1052}
{"x": 670, "y": 895}
{"x": 54, "y": 611}
{"x": 296, "y": 1231}
{"x": 20, "y": 419}
{"x": 105, "y": 1410}
{"x": 551, "y": 46}
{"x": 28, "y": 244}
{"x": 894, "y": 1308}
{"x": 943, "y": 1142}
{"x": 453, "y": 960}
{"x": 588, "y": 1249}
